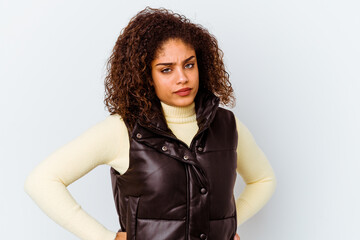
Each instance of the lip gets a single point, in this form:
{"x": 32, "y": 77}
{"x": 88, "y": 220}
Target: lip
{"x": 183, "y": 91}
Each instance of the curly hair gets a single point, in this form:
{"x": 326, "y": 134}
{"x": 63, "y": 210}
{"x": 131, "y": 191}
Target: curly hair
{"x": 128, "y": 84}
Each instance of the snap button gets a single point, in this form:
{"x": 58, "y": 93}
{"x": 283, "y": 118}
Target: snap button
{"x": 138, "y": 135}
{"x": 164, "y": 148}
{"x": 186, "y": 157}
{"x": 200, "y": 149}
{"x": 203, "y": 236}
{"x": 203, "y": 190}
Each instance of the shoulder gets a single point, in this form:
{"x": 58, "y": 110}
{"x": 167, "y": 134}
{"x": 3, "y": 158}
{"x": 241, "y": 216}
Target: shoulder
{"x": 223, "y": 110}
{"x": 229, "y": 116}
{"x": 114, "y": 121}
{"x": 109, "y": 130}
{"x": 225, "y": 115}
{"x": 111, "y": 136}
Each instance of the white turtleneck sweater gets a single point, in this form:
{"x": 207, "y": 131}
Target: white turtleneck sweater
{"x": 107, "y": 142}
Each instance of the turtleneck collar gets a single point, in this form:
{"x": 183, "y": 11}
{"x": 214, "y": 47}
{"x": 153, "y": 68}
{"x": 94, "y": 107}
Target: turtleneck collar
{"x": 174, "y": 114}
{"x": 206, "y": 104}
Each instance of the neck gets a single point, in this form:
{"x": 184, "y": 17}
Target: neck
{"x": 176, "y": 114}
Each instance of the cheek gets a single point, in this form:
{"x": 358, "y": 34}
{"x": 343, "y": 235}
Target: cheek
{"x": 195, "y": 77}
{"x": 165, "y": 87}
{"x": 196, "y": 72}
{"x": 161, "y": 85}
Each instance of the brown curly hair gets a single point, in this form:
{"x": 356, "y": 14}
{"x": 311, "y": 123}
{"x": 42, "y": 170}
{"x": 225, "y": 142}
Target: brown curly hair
{"x": 128, "y": 85}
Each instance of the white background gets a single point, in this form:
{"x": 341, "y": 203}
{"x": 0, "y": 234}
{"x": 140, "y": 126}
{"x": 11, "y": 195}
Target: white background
{"x": 294, "y": 66}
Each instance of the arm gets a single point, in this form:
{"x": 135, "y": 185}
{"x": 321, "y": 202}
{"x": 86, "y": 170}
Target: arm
{"x": 256, "y": 172}
{"x": 47, "y": 183}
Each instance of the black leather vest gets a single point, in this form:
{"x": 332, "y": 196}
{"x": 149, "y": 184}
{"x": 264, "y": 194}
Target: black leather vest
{"x": 175, "y": 192}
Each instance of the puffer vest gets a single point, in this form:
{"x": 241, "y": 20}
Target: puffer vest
{"x": 175, "y": 192}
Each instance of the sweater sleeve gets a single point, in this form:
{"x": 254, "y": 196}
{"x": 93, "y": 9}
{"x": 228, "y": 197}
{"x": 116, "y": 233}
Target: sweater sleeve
{"x": 257, "y": 173}
{"x": 46, "y": 184}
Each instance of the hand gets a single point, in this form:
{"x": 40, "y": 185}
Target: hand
{"x": 121, "y": 236}
{"x": 236, "y": 237}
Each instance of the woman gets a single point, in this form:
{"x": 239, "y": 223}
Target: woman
{"x": 173, "y": 151}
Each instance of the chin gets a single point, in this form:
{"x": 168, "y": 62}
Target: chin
{"x": 184, "y": 102}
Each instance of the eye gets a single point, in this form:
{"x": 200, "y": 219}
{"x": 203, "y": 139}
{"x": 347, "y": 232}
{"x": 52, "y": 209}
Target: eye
{"x": 166, "y": 70}
{"x": 190, "y": 65}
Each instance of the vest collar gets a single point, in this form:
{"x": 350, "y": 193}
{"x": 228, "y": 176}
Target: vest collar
{"x": 206, "y": 104}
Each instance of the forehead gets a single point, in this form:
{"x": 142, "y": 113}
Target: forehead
{"x": 174, "y": 49}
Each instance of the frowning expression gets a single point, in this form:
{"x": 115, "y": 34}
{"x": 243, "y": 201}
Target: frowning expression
{"x": 175, "y": 73}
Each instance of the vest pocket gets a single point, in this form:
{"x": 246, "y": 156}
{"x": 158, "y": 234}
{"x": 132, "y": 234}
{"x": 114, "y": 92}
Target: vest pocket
{"x": 131, "y": 217}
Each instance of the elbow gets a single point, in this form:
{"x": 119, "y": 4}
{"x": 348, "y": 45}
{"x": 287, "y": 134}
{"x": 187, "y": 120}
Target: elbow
{"x": 270, "y": 182}
{"x": 34, "y": 183}
{"x": 273, "y": 183}
{"x": 30, "y": 184}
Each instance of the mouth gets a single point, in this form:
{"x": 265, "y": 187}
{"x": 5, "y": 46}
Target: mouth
{"x": 183, "y": 91}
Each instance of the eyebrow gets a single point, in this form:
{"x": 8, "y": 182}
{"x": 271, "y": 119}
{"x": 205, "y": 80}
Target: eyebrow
{"x": 169, "y": 64}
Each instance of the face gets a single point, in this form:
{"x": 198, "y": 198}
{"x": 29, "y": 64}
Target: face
{"x": 175, "y": 73}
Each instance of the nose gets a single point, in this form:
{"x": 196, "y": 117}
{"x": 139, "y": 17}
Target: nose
{"x": 182, "y": 78}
